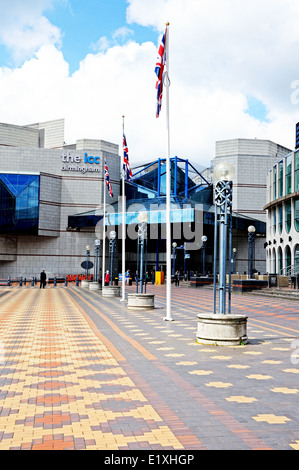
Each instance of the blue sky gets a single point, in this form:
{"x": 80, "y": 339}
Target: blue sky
{"x": 83, "y": 23}
{"x": 92, "y": 61}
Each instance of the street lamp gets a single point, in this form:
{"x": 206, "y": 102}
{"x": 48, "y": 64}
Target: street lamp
{"x": 204, "y": 240}
{"x": 112, "y": 244}
{"x": 251, "y": 244}
{"x": 234, "y": 260}
{"x": 97, "y": 244}
{"x": 87, "y": 260}
{"x": 174, "y": 246}
{"x": 224, "y": 173}
{"x": 142, "y": 234}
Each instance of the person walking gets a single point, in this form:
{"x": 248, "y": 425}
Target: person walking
{"x": 43, "y": 279}
{"x": 177, "y": 279}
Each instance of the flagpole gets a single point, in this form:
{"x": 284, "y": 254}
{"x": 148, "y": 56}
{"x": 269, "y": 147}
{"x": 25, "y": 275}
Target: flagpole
{"x": 168, "y": 221}
{"x": 104, "y": 227}
{"x": 123, "y": 226}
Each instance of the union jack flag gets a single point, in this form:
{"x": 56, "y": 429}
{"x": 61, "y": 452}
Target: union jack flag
{"x": 159, "y": 71}
{"x": 126, "y": 165}
{"x": 109, "y": 185}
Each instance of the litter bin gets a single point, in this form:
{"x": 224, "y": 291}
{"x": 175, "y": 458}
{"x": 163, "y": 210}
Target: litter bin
{"x": 130, "y": 281}
{"x": 272, "y": 280}
{"x": 116, "y": 281}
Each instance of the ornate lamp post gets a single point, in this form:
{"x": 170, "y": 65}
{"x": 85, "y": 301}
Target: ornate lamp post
{"x": 142, "y": 234}
{"x": 204, "y": 240}
{"x": 87, "y": 260}
{"x": 97, "y": 244}
{"x": 112, "y": 244}
{"x": 216, "y": 327}
{"x": 234, "y": 260}
{"x": 251, "y": 245}
{"x": 174, "y": 247}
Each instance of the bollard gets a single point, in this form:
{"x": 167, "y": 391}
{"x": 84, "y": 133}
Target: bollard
{"x": 65, "y": 281}
{"x": 32, "y": 282}
{"x": 55, "y": 281}
{"x": 21, "y": 281}
{"x": 25, "y": 280}
{"x": 8, "y": 281}
{"x": 77, "y": 281}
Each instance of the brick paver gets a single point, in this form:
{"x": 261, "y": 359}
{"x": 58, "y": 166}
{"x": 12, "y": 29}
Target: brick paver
{"x": 81, "y": 372}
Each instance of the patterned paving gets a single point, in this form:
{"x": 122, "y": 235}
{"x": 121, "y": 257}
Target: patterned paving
{"x": 81, "y": 372}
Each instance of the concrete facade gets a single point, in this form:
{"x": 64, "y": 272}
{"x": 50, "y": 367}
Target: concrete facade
{"x": 71, "y": 182}
{"x": 252, "y": 160}
{"x": 283, "y": 216}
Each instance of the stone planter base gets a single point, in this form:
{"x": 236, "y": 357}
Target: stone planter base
{"x": 141, "y": 301}
{"x": 85, "y": 284}
{"x": 111, "y": 291}
{"x": 94, "y": 286}
{"x": 222, "y": 330}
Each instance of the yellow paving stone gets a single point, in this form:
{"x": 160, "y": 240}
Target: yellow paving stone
{"x": 271, "y": 419}
{"x": 259, "y": 377}
{"x": 219, "y": 384}
{"x": 222, "y": 358}
{"x": 253, "y": 353}
{"x": 241, "y": 399}
{"x": 238, "y": 366}
{"x": 290, "y": 391}
{"x": 174, "y": 355}
{"x": 291, "y": 371}
{"x": 200, "y": 372}
{"x": 271, "y": 362}
{"x": 295, "y": 445}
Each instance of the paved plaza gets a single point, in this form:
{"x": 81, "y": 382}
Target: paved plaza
{"x": 78, "y": 371}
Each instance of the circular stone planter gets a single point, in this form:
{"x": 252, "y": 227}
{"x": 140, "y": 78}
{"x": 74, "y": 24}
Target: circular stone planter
{"x": 94, "y": 286}
{"x": 85, "y": 283}
{"x": 111, "y": 291}
{"x": 141, "y": 301}
{"x": 222, "y": 330}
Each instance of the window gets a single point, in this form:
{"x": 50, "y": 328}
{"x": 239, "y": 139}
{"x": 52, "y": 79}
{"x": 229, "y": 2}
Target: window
{"x": 274, "y": 182}
{"x": 296, "y": 188}
{"x": 288, "y": 161}
{"x": 280, "y": 217}
{"x": 288, "y": 216}
{"x": 274, "y": 221}
{"x": 296, "y": 260}
{"x": 19, "y": 203}
{"x": 280, "y": 261}
{"x": 280, "y": 179}
{"x": 296, "y": 214}
{"x": 288, "y": 260}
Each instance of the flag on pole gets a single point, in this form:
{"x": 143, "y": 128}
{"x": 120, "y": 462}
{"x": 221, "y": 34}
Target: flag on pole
{"x": 109, "y": 185}
{"x": 159, "y": 70}
{"x": 126, "y": 165}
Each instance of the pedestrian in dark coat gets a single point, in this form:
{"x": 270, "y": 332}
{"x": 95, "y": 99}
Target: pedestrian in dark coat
{"x": 43, "y": 279}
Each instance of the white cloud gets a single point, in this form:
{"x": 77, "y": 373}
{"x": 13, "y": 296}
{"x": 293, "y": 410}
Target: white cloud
{"x": 221, "y": 52}
{"x": 24, "y": 29}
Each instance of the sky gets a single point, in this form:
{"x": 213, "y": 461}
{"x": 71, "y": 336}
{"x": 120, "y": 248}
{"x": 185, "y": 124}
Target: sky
{"x": 233, "y": 67}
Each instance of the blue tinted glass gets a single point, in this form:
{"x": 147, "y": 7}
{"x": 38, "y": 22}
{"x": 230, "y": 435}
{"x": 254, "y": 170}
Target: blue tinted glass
{"x": 19, "y": 203}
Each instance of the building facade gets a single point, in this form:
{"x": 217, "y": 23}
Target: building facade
{"x": 252, "y": 159}
{"x": 282, "y": 207}
{"x": 43, "y": 183}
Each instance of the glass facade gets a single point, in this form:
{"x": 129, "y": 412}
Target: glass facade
{"x": 289, "y": 174}
{"x": 280, "y": 217}
{"x": 296, "y": 214}
{"x": 274, "y": 183}
{"x": 296, "y": 171}
{"x": 280, "y": 179}
{"x": 19, "y": 203}
{"x": 288, "y": 216}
